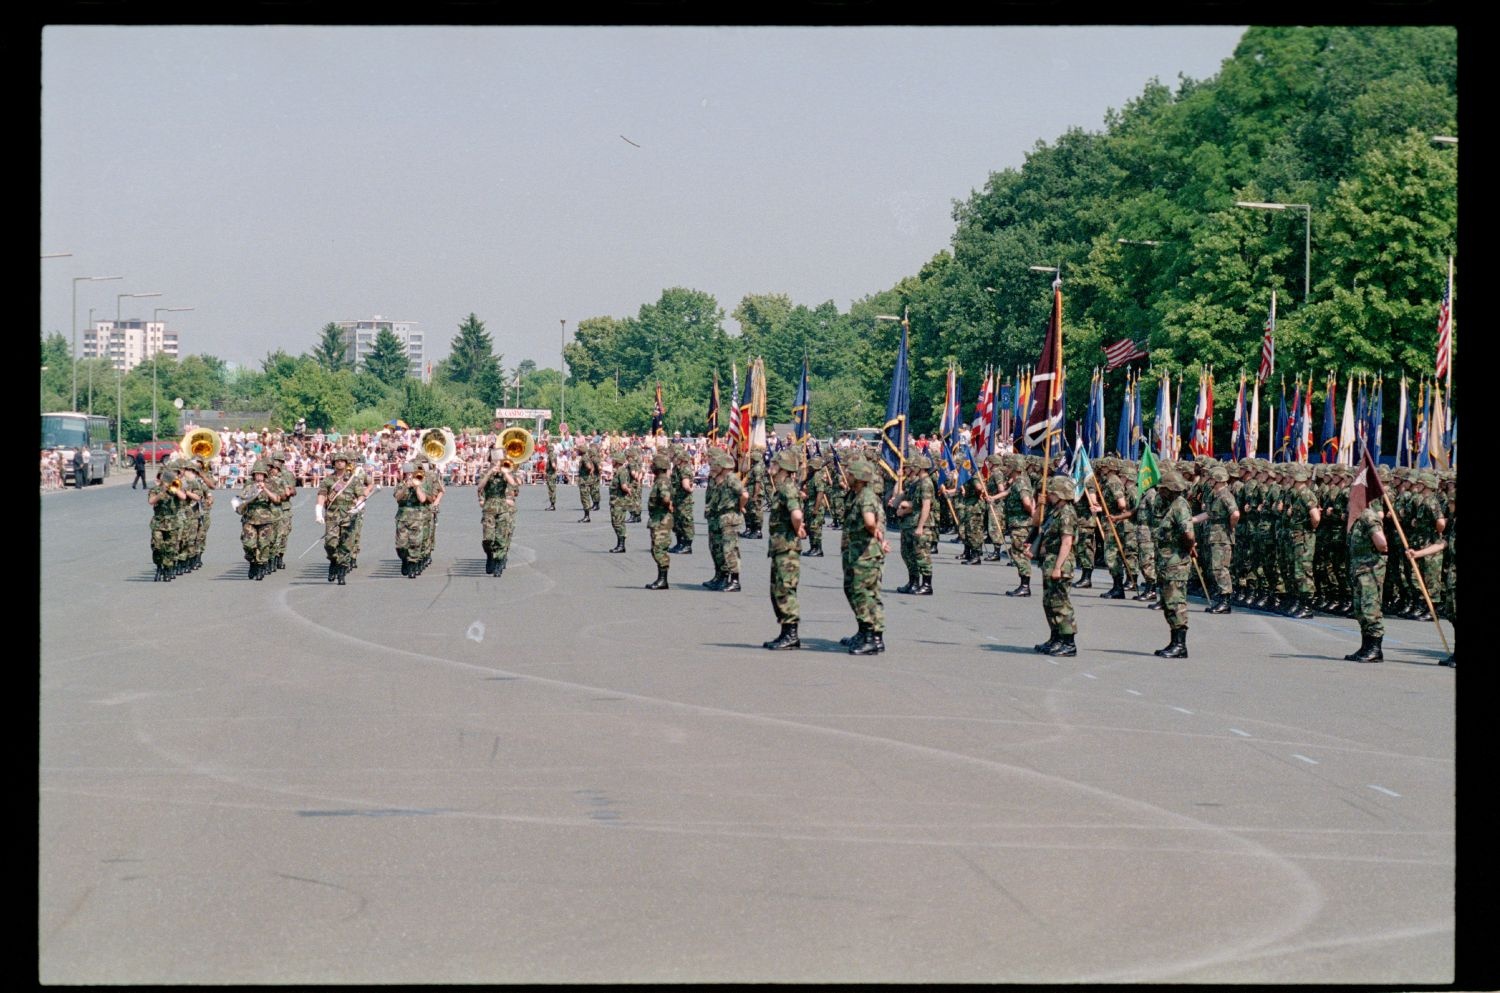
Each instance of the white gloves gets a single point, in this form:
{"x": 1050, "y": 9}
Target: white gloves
{"x": 318, "y": 513}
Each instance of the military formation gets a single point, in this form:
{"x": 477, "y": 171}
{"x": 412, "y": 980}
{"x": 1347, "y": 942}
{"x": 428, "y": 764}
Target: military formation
{"x": 1251, "y": 534}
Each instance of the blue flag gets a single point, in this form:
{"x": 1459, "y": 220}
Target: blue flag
{"x": 1283, "y": 429}
{"x": 1330, "y": 445}
{"x": 800, "y": 413}
{"x": 1083, "y": 469}
{"x": 1377, "y": 422}
{"x": 963, "y": 463}
{"x": 1122, "y": 430}
{"x": 1361, "y": 426}
{"x": 897, "y": 404}
{"x": 1137, "y": 426}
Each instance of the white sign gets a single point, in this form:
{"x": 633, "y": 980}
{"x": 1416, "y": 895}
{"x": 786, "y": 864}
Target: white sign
{"x": 177, "y": 403}
{"x": 522, "y": 413}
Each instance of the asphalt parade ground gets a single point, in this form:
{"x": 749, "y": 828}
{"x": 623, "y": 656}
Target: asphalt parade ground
{"x": 559, "y": 776}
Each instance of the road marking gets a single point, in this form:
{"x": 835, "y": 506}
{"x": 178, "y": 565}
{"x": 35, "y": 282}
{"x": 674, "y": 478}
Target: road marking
{"x": 1133, "y": 692}
{"x": 1304, "y": 758}
{"x": 1242, "y": 734}
{"x": 1182, "y": 710}
{"x": 1089, "y": 676}
{"x": 1382, "y": 789}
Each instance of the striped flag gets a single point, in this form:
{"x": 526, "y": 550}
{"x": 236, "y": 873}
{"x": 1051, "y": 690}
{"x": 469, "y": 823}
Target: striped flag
{"x": 1200, "y": 443}
{"x": 1237, "y": 430}
{"x": 1046, "y": 418}
{"x": 1121, "y": 352}
{"x": 1365, "y": 491}
{"x": 1268, "y": 345}
{"x": 948, "y": 427}
{"x": 984, "y": 412}
{"x": 1445, "y": 332}
{"x": 734, "y": 433}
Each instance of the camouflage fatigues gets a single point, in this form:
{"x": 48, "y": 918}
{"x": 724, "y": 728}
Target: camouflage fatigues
{"x": 340, "y": 539}
{"x": 721, "y": 508}
{"x": 1018, "y": 523}
{"x": 1061, "y": 521}
{"x": 1221, "y": 508}
{"x": 659, "y": 522}
{"x": 497, "y": 515}
{"x": 1174, "y": 532}
{"x": 624, "y": 494}
{"x": 588, "y": 480}
{"x": 863, "y": 559}
{"x": 916, "y": 550}
{"x": 785, "y": 551}
{"x": 258, "y": 512}
{"x": 1367, "y": 572}
{"x": 409, "y": 522}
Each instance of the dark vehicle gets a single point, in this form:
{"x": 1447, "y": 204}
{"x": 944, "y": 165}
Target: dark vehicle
{"x": 67, "y": 432}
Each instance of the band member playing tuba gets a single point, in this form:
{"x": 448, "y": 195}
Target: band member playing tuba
{"x": 498, "y": 489}
{"x": 411, "y": 496}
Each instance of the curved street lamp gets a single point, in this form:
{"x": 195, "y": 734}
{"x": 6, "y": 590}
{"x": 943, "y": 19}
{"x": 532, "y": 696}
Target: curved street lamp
{"x": 156, "y": 354}
{"x": 1307, "y": 244}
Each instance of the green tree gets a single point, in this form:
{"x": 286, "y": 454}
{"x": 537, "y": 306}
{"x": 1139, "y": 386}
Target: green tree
{"x": 387, "y": 360}
{"x": 471, "y": 353}
{"x": 422, "y": 406}
{"x": 316, "y": 394}
{"x": 332, "y": 351}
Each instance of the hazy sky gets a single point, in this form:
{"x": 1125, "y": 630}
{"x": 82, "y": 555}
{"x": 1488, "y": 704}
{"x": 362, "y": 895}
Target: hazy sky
{"x": 278, "y": 178}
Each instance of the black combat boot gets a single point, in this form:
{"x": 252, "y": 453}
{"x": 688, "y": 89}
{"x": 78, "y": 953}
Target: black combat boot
{"x": 1064, "y": 646}
{"x": 619, "y": 546}
{"x": 733, "y": 586}
{"x": 343, "y": 573}
{"x": 926, "y": 588}
{"x": 1047, "y": 645}
{"x": 585, "y": 519}
{"x": 1024, "y": 589}
{"x": 1085, "y": 581}
{"x": 687, "y": 547}
{"x": 157, "y": 577}
{"x": 675, "y": 548}
{"x": 872, "y": 645}
{"x": 333, "y": 571}
{"x": 1115, "y": 592}
{"x": 261, "y": 568}
{"x": 1301, "y": 611}
{"x": 787, "y": 639}
{"x": 634, "y": 518}
{"x": 596, "y": 504}
{"x": 1451, "y": 661}
{"x": 500, "y": 565}
{"x": 912, "y": 583}
{"x": 858, "y": 638}
{"x": 1177, "y": 649}
{"x": 1221, "y": 605}
{"x": 717, "y": 583}
{"x": 816, "y": 551}
{"x": 661, "y": 580}
{"x": 994, "y": 556}
{"x": 489, "y": 564}
{"x": 1358, "y": 654}
{"x": 166, "y": 574}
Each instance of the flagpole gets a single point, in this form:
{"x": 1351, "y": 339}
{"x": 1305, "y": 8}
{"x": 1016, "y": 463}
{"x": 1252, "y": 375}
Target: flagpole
{"x": 1415, "y": 571}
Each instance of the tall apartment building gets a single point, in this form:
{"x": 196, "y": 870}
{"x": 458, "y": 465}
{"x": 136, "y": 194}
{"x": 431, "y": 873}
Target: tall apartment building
{"x": 360, "y": 337}
{"x": 128, "y": 343}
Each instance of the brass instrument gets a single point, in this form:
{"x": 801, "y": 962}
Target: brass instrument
{"x": 517, "y": 444}
{"x": 438, "y": 444}
{"x": 200, "y": 443}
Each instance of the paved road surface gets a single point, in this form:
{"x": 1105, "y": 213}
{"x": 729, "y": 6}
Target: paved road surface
{"x": 559, "y": 776}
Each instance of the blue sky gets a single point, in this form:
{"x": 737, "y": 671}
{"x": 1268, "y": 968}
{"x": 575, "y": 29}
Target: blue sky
{"x": 278, "y": 178}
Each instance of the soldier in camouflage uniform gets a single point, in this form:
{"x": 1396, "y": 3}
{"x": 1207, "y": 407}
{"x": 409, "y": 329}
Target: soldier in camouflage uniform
{"x": 1148, "y": 509}
{"x": 659, "y": 511}
{"x": 1367, "y": 554}
{"x": 815, "y": 503}
{"x": 410, "y": 498}
{"x": 970, "y": 512}
{"x": 723, "y": 509}
{"x": 1085, "y": 550}
{"x": 1019, "y": 508}
{"x": 864, "y": 549}
{"x": 497, "y": 491}
{"x": 1302, "y": 516}
{"x": 1121, "y": 511}
{"x": 432, "y": 483}
{"x": 257, "y": 508}
{"x": 838, "y": 490}
{"x": 165, "y": 499}
{"x": 914, "y": 516}
{"x": 549, "y": 474}
{"x": 338, "y": 495}
{"x": 682, "y": 507}
{"x": 1220, "y": 516}
{"x": 588, "y": 481}
{"x": 785, "y": 548}
{"x": 1246, "y": 496}
{"x": 1175, "y": 545}
{"x": 1054, "y": 548}
{"x": 624, "y": 485}
{"x": 1425, "y": 526}
{"x": 191, "y": 477}
{"x": 757, "y": 484}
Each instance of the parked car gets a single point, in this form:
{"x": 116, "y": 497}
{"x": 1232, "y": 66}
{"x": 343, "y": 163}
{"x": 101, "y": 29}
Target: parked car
{"x": 155, "y": 451}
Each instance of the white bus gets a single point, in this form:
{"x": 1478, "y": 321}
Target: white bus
{"x": 66, "y": 432}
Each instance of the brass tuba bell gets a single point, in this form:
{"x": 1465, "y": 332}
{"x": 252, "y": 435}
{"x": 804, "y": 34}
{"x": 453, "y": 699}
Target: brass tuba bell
{"x": 200, "y": 443}
{"x": 517, "y": 445}
{"x": 439, "y": 445}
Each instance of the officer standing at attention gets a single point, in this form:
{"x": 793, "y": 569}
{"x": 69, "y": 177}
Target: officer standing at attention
{"x": 785, "y": 547}
{"x": 588, "y": 481}
{"x": 1019, "y": 507}
{"x": 914, "y": 513}
{"x": 1303, "y": 512}
{"x": 659, "y": 509}
{"x": 1367, "y": 553}
{"x": 1222, "y": 516}
{"x": 815, "y": 500}
{"x": 622, "y": 485}
{"x": 757, "y": 484}
{"x": 1054, "y": 547}
{"x": 724, "y": 508}
{"x": 549, "y": 474}
{"x": 864, "y": 551}
{"x": 682, "y": 504}
{"x": 1174, "y": 554}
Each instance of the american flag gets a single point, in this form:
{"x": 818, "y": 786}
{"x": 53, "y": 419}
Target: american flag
{"x": 1444, "y": 335}
{"x": 1123, "y": 351}
{"x": 984, "y": 412}
{"x": 1268, "y": 346}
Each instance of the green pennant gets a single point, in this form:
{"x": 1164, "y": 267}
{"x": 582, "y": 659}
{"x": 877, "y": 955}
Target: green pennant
{"x": 1149, "y": 473}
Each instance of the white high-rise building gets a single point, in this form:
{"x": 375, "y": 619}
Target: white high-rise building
{"x": 360, "y": 337}
{"x": 128, "y": 343}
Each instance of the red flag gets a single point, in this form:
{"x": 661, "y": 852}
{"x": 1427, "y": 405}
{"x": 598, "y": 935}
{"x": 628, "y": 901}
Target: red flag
{"x": 1047, "y": 415}
{"x": 1121, "y": 352}
{"x": 1365, "y": 491}
{"x": 1268, "y": 345}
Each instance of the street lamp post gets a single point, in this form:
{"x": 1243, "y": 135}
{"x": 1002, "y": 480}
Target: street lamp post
{"x": 76, "y": 281}
{"x": 119, "y": 375}
{"x": 91, "y": 364}
{"x": 562, "y": 386}
{"x": 1307, "y": 244}
{"x": 156, "y": 354}
{"x": 1134, "y": 241}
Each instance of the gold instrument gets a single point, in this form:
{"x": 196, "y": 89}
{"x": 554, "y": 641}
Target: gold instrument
{"x": 200, "y": 443}
{"x": 439, "y": 445}
{"x": 517, "y": 444}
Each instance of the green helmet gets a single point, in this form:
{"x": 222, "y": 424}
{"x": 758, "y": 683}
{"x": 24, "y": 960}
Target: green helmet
{"x": 260, "y": 467}
{"x": 1060, "y": 487}
{"x": 862, "y": 471}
